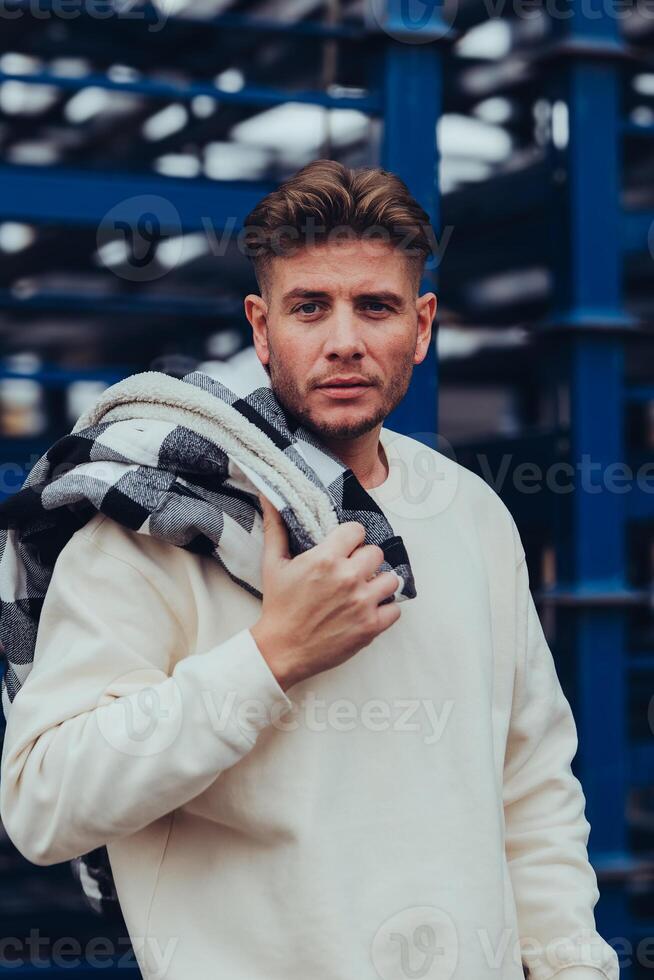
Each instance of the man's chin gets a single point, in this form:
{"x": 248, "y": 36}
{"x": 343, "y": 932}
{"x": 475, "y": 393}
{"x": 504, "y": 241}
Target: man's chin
{"x": 337, "y": 423}
{"x": 347, "y": 428}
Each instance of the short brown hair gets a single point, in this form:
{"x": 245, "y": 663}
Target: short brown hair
{"x": 326, "y": 195}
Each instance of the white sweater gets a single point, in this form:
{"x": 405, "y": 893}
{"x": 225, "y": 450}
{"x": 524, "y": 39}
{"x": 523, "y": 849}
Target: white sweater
{"x": 409, "y": 813}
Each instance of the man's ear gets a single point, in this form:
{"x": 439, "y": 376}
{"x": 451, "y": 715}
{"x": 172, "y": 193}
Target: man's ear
{"x": 256, "y": 310}
{"x": 426, "y": 310}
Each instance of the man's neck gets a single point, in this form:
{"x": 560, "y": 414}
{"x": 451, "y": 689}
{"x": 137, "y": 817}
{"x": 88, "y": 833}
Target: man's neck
{"x": 364, "y": 455}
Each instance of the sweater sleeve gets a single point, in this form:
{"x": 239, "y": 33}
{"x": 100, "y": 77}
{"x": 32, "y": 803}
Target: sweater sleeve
{"x": 546, "y": 830}
{"x": 104, "y": 737}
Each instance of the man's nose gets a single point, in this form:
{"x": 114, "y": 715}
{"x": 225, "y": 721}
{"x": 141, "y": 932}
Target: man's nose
{"x": 344, "y": 336}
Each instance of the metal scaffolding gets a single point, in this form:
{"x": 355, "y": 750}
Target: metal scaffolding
{"x": 549, "y": 231}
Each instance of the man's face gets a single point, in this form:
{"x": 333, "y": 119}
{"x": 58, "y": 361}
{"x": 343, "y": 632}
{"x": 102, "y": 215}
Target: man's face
{"x": 340, "y": 310}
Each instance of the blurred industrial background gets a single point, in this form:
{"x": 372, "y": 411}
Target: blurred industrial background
{"x": 133, "y": 140}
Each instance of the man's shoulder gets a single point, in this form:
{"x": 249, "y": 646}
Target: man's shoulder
{"x": 115, "y": 538}
{"x": 471, "y": 497}
{"x": 164, "y": 564}
{"x": 470, "y": 483}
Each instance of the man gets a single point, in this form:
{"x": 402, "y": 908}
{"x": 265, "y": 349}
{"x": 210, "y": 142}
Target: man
{"x": 400, "y": 803}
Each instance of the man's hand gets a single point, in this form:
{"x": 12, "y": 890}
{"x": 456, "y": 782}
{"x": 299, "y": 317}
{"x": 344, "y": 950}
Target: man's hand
{"x": 321, "y": 607}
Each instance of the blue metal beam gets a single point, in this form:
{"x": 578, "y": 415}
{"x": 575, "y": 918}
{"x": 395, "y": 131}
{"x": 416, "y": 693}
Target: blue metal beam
{"x": 55, "y": 377}
{"x": 637, "y": 232}
{"x": 169, "y": 91}
{"x": 156, "y": 17}
{"x": 61, "y": 196}
{"x": 639, "y": 502}
{"x": 127, "y": 305}
{"x": 639, "y": 393}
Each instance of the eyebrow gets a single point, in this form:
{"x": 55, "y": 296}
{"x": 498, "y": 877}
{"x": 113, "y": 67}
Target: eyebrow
{"x": 383, "y": 295}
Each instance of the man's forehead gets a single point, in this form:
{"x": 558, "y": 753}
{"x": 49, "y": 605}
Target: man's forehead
{"x": 342, "y": 281}
{"x": 312, "y": 272}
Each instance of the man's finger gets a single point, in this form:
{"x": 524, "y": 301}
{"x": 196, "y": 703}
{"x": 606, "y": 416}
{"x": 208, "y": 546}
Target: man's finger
{"x": 275, "y": 535}
{"x": 344, "y": 539}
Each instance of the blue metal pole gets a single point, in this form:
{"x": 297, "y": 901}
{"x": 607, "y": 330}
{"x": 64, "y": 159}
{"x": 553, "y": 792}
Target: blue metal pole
{"x": 586, "y": 359}
{"x": 412, "y": 96}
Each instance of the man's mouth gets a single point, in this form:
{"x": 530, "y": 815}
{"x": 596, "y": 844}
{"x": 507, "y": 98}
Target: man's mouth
{"x": 345, "y": 389}
{"x": 346, "y": 381}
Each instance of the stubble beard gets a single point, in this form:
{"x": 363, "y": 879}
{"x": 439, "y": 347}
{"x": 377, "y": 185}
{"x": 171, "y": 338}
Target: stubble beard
{"x": 295, "y": 403}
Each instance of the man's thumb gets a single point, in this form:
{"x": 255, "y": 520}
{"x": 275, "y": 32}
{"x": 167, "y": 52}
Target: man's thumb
{"x": 275, "y": 535}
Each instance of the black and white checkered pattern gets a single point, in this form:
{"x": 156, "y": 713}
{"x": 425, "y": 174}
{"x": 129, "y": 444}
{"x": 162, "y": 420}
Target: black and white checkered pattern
{"x": 180, "y": 459}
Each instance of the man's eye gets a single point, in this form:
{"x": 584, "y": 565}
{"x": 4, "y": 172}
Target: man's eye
{"x": 373, "y": 302}
{"x": 316, "y": 306}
